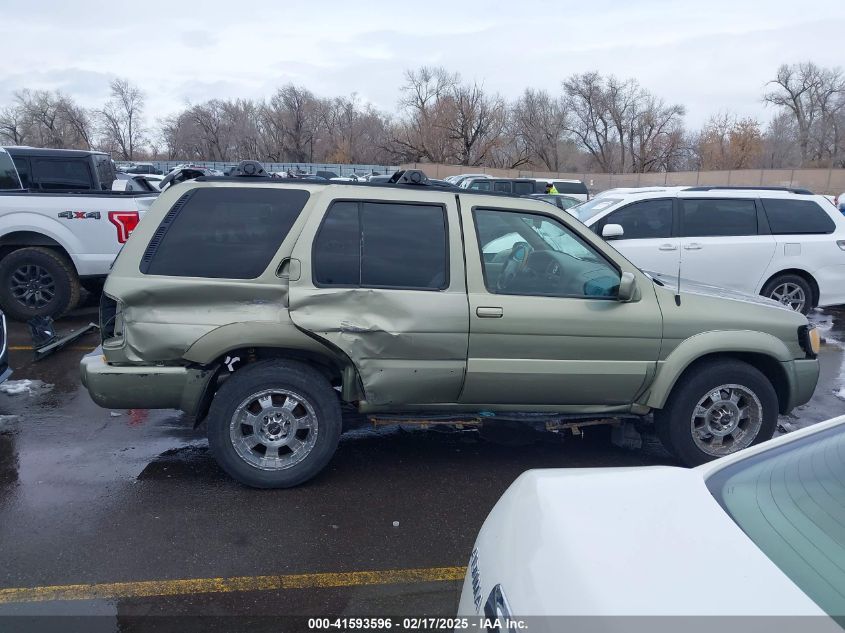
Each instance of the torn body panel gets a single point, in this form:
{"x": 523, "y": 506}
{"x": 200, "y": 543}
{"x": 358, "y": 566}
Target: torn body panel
{"x": 408, "y": 346}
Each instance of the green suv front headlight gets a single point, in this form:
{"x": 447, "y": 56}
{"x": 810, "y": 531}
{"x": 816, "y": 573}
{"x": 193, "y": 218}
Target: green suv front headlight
{"x": 810, "y": 340}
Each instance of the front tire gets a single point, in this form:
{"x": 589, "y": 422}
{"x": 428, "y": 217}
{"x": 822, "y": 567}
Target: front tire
{"x": 37, "y": 281}
{"x": 718, "y": 408}
{"x": 792, "y": 291}
{"x": 274, "y": 424}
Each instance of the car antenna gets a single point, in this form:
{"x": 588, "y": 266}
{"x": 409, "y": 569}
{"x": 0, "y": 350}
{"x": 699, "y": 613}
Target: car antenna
{"x": 678, "y": 287}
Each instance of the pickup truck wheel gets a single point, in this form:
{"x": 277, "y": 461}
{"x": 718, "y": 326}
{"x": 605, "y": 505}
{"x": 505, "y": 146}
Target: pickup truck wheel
{"x": 274, "y": 424}
{"x": 717, "y": 409}
{"x": 37, "y": 281}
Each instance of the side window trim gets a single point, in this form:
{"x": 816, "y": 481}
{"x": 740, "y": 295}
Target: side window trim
{"x": 360, "y": 203}
{"x": 763, "y": 227}
{"x": 25, "y": 175}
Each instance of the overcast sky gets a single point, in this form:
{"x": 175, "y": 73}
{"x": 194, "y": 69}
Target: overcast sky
{"x": 708, "y": 55}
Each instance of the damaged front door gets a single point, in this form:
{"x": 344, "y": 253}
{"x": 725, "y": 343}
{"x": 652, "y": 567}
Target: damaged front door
{"x": 383, "y": 280}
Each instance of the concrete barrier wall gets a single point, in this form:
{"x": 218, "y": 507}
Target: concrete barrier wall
{"x": 826, "y": 181}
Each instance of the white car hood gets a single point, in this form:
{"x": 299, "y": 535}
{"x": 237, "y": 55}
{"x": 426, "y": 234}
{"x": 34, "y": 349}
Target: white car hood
{"x": 649, "y": 541}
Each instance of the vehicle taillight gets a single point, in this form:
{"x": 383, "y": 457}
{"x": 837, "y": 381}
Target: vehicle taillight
{"x": 125, "y": 221}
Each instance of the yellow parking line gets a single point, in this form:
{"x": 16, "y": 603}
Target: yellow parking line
{"x": 146, "y": 588}
{"x": 18, "y": 348}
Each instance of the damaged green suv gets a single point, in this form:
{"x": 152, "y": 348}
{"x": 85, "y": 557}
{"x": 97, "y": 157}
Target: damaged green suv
{"x": 278, "y": 310}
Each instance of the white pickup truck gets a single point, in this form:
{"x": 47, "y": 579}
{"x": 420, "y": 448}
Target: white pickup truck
{"x": 61, "y": 227}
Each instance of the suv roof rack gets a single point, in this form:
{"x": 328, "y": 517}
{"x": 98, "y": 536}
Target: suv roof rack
{"x": 805, "y": 192}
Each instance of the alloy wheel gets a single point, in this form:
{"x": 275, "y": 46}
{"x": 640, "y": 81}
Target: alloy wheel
{"x": 726, "y": 419}
{"x": 789, "y": 294}
{"x": 33, "y": 286}
{"x": 274, "y": 429}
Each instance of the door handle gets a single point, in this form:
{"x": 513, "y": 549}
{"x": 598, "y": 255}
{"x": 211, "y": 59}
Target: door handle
{"x": 489, "y": 312}
{"x": 693, "y": 246}
{"x": 668, "y": 247}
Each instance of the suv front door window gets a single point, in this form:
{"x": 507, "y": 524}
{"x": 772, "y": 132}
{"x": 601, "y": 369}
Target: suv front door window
{"x": 545, "y": 324}
{"x": 720, "y": 244}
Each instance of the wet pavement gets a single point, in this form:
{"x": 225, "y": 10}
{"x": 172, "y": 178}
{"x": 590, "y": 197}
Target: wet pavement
{"x": 90, "y": 496}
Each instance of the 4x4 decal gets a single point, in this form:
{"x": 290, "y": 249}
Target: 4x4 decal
{"x": 80, "y": 215}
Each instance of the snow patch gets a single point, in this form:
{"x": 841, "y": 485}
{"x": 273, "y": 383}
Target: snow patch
{"x": 17, "y": 387}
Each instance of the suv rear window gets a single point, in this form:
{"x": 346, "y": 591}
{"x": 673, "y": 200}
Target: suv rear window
{"x": 223, "y": 232}
{"x": 791, "y": 217}
{"x": 382, "y": 245}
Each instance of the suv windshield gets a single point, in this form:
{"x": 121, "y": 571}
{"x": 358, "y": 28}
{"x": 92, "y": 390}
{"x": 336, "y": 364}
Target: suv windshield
{"x": 789, "y": 501}
{"x": 595, "y": 206}
{"x": 8, "y": 174}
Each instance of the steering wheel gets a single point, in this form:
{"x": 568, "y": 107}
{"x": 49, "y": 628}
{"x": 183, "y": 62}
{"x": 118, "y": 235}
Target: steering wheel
{"x": 554, "y": 273}
{"x": 514, "y": 265}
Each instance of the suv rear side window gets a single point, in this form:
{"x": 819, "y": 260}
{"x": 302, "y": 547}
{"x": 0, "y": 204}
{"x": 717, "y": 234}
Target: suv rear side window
{"x": 649, "y": 219}
{"x": 718, "y": 217}
{"x": 55, "y": 174}
{"x": 797, "y": 217}
{"x": 224, "y": 232}
{"x": 382, "y": 245}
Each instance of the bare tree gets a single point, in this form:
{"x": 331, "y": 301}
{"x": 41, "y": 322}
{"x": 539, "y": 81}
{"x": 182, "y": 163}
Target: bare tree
{"x": 538, "y": 125}
{"x": 121, "y": 119}
{"x": 590, "y": 121}
{"x": 46, "y": 119}
{"x": 655, "y": 133}
{"x": 814, "y": 96}
{"x": 13, "y": 126}
{"x": 291, "y": 118}
{"x": 423, "y": 134}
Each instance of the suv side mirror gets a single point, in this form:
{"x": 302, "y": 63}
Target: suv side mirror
{"x": 627, "y": 286}
{"x": 612, "y": 231}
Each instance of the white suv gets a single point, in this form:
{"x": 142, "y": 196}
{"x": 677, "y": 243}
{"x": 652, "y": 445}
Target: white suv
{"x": 786, "y": 244}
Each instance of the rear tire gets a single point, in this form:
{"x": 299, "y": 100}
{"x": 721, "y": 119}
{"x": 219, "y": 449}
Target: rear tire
{"x": 791, "y": 290}
{"x": 717, "y": 409}
{"x": 274, "y": 424}
{"x": 37, "y": 281}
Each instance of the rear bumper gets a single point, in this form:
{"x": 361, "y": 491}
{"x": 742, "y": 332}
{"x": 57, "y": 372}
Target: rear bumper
{"x": 831, "y": 280}
{"x": 803, "y": 376}
{"x": 143, "y": 386}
